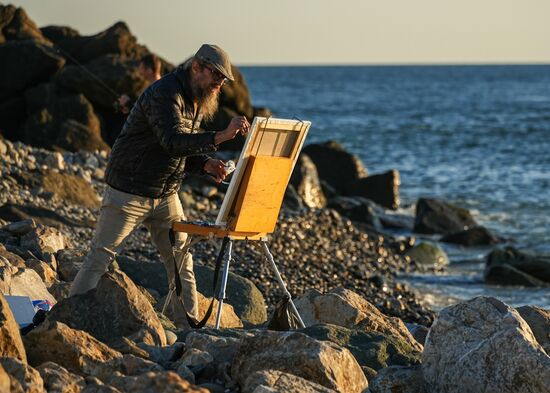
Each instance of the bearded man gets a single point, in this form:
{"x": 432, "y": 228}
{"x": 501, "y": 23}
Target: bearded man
{"x": 158, "y": 143}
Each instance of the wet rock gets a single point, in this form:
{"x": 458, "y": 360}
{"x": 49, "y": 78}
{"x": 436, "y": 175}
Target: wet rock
{"x": 27, "y": 282}
{"x": 75, "y": 350}
{"x": 509, "y": 275}
{"x": 58, "y": 379}
{"x": 323, "y": 362}
{"x": 116, "y": 308}
{"x": 343, "y": 307}
{"x": 382, "y": 189}
{"x": 305, "y": 180}
{"x": 10, "y": 339}
{"x": 357, "y": 209}
{"x": 427, "y": 253}
{"x": 466, "y": 335}
{"x": 44, "y": 240}
{"x": 371, "y": 350}
{"x": 476, "y": 236}
{"x": 335, "y": 165}
{"x": 538, "y": 320}
{"x": 436, "y": 216}
{"x": 25, "y": 64}
{"x": 23, "y": 378}
{"x": 399, "y": 379}
{"x": 277, "y": 381}
{"x": 537, "y": 266}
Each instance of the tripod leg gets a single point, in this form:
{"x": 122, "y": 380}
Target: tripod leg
{"x": 172, "y": 284}
{"x": 221, "y": 295}
{"x": 269, "y": 257}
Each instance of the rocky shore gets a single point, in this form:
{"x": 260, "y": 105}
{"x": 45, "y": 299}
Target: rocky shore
{"x": 365, "y": 331}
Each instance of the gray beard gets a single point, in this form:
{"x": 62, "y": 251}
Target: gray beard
{"x": 207, "y": 102}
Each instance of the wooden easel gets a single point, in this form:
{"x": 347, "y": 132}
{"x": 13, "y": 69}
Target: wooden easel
{"x": 254, "y": 197}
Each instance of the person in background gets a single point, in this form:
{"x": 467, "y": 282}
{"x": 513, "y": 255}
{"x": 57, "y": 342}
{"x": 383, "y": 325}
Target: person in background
{"x": 150, "y": 68}
{"x": 158, "y": 143}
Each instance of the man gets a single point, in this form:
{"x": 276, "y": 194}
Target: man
{"x": 149, "y": 68}
{"x": 158, "y": 142}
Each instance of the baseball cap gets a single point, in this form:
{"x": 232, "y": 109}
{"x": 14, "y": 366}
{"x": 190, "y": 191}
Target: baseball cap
{"x": 217, "y": 57}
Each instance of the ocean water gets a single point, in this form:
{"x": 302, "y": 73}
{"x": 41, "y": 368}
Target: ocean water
{"x": 476, "y": 136}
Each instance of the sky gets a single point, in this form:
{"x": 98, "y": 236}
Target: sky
{"x": 287, "y": 32}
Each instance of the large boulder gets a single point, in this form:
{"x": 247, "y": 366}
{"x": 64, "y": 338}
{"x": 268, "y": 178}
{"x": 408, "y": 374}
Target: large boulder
{"x": 436, "y": 216}
{"x": 115, "y": 309}
{"x": 59, "y": 380}
{"x": 58, "y": 33}
{"x": 343, "y": 307}
{"x": 118, "y": 73}
{"x": 23, "y": 378}
{"x": 538, "y": 320}
{"x": 247, "y": 301}
{"x": 16, "y": 25}
{"x": 357, "y": 209}
{"x": 278, "y": 381}
{"x": 117, "y": 40}
{"x": 61, "y": 118}
{"x": 25, "y": 64}
{"x": 509, "y": 275}
{"x": 335, "y": 165}
{"x": 320, "y": 361}
{"x": 482, "y": 345}
{"x": 10, "y": 339}
{"x": 536, "y": 266}
{"x": 373, "y": 350}
{"x": 382, "y": 189}
{"x": 305, "y": 180}
{"x": 77, "y": 351}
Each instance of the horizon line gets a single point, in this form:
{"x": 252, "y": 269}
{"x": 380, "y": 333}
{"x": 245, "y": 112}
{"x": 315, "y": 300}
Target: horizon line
{"x": 398, "y": 64}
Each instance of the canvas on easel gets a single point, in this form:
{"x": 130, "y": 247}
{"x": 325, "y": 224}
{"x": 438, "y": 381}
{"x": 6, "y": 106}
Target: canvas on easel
{"x": 258, "y": 185}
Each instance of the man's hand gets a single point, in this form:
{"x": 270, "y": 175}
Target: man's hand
{"x": 216, "y": 169}
{"x": 123, "y": 102}
{"x": 238, "y": 124}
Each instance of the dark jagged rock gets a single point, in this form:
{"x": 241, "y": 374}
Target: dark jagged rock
{"x": 117, "y": 40}
{"x": 436, "y": 216}
{"x": 503, "y": 265}
{"x": 291, "y": 199}
{"x": 116, "y": 72}
{"x": 382, "y": 189}
{"x": 477, "y": 236}
{"x": 335, "y": 165}
{"x": 58, "y": 33}
{"x": 16, "y": 25}
{"x": 26, "y": 63}
{"x": 305, "y": 180}
{"x": 12, "y": 114}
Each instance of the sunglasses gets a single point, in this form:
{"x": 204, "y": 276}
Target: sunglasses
{"x": 216, "y": 75}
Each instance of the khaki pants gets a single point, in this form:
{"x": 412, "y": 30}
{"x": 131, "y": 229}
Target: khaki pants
{"x": 120, "y": 214}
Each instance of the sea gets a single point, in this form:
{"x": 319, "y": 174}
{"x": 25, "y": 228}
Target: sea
{"x": 475, "y": 136}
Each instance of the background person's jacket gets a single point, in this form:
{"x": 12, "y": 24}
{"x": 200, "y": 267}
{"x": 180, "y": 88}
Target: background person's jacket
{"x": 160, "y": 140}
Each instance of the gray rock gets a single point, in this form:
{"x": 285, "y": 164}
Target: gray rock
{"x": 482, "y": 345}
{"x": 426, "y": 253}
{"x": 116, "y": 308}
{"x": 399, "y": 379}
{"x": 321, "y": 361}
{"x": 20, "y": 228}
{"x": 538, "y": 320}
{"x": 10, "y": 339}
{"x": 27, "y": 282}
{"x": 42, "y": 240}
